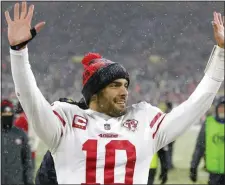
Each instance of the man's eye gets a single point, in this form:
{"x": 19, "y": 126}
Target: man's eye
{"x": 113, "y": 85}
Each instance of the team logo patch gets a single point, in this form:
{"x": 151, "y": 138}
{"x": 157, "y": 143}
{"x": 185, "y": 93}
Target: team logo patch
{"x": 80, "y": 122}
{"x": 131, "y": 124}
{"x": 107, "y": 126}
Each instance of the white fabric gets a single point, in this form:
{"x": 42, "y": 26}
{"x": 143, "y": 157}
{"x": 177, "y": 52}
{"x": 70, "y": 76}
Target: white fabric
{"x": 215, "y": 66}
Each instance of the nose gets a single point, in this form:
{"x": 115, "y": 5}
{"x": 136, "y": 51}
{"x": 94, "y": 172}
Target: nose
{"x": 123, "y": 91}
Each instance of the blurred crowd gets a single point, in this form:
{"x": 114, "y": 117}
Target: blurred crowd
{"x": 164, "y": 45}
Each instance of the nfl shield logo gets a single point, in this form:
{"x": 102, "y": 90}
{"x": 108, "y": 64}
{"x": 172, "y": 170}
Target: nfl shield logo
{"x": 107, "y": 126}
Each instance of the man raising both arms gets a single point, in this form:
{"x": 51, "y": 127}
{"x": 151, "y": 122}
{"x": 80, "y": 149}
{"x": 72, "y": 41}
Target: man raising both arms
{"x": 108, "y": 142}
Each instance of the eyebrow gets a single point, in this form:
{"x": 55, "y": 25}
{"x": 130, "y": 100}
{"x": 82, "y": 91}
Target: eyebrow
{"x": 119, "y": 83}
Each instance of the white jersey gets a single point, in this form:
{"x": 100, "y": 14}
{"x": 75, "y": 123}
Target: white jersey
{"x": 96, "y": 148}
{"x": 90, "y": 147}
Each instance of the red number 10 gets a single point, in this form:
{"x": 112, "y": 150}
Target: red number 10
{"x": 91, "y": 160}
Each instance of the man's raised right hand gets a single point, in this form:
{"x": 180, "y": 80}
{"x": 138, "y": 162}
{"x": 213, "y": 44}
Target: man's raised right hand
{"x": 19, "y": 28}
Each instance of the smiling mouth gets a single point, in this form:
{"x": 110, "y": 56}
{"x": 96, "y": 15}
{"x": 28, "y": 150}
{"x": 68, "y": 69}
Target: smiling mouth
{"x": 121, "y": 103}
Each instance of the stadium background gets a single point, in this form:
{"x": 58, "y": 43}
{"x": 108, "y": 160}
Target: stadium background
{"x": 164, "y": 45}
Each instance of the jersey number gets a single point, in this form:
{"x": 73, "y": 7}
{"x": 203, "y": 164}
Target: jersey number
{"x": 91, "y": 160}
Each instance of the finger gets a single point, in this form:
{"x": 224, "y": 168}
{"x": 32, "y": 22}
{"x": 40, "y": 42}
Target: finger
{"x": 16, "y": 11}
{"x": 215, "y": 26}
{"x": 7, "y": 17}
{"x": 30, "y": 13}
{"x": 39, "y": 26}
{"x": 24, "y": 10}
{"x": 216, "y": 20}
{"x": 220, "y": 18}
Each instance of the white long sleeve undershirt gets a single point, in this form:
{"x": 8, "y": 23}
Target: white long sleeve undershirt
{"x": 38, "y": 111}
{"x": 186, "y": 114}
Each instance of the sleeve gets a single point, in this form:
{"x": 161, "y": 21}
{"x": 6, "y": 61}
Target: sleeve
{"x": 38, "y": 111}
{"x": 27, "y": 162}
{"x": 33, "y": 139}
{"x": 167, "y": 127}
{"x": 199, "y": 148}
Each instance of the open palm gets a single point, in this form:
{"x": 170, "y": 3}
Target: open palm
{"x": 218, "y": 26}
{"x": 19, "y": 29}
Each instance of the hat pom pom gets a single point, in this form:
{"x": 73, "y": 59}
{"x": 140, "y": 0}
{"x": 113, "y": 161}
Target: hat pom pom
{"x": 89, "y": 57}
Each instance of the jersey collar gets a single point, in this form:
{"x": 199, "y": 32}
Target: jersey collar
{"x": 99, "y": 114}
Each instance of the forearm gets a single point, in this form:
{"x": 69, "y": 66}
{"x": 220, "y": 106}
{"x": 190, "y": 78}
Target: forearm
{"x": 183, "y": 116}
{"x": 37, "y": 109}
{"x": 191, "y": 110}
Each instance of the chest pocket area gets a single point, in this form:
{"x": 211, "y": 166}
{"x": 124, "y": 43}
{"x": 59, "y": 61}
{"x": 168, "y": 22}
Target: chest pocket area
{"x": 16, "y": 149}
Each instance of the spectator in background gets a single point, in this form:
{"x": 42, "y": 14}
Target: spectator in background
{"x": 16, "y": 155}
{"x": 152, "y": 169}
{"x": 162, "y": 156}
{"x": 210, "y": 142}
{"x": 169, "y": 107}
{"x": 21, "y": 122}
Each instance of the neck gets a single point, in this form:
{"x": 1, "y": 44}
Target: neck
{"x": 93, "y": 106}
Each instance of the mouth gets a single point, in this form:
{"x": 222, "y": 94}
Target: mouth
{"x": 121, "y": 103}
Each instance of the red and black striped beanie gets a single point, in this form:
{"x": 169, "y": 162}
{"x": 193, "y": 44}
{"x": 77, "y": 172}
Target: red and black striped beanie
{"x": 98, "y": 73}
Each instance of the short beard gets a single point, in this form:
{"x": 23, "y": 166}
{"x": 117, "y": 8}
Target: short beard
{"x": 108, "y": 109}
{"x": 116, "y": 113}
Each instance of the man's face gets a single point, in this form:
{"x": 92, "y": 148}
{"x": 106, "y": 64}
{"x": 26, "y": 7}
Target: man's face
{"x": 221, "y": 110}
{"x": 112, "y": 100}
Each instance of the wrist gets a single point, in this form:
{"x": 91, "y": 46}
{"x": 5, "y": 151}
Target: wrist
{"x": 221, "y": 45}
{"x": 22, "y": 51}
{"x": 22, "y": 48}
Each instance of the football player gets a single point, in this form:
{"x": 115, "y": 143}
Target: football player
{"x": 108, "y": 142}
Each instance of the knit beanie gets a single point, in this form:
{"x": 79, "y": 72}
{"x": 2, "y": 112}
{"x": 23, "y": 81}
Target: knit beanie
{"x": 98, "y": 73}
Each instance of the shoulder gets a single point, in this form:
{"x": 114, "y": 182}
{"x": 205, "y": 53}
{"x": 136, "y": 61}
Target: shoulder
{"x": 146, "y": 111}
{"x": 66, "y": 112}
{"x": 144, "y": 106}
{"x": 65, "y": 106}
